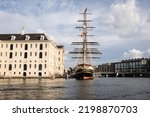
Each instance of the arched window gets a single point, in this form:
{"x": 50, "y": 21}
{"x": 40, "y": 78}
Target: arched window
{"x": 10, "y": 55}
{"x": 25, "y": 67}
{"x": 40, "y": 55}
{"x": 24, "y": 74}
{"x": 41, "y": 46}
{"x": 26, "y": 47}
{"x": 10, "y": 67}
{"x": 40, "y": 67}
{"x": 25, "y": 55}
{"x": 11, "y": 47}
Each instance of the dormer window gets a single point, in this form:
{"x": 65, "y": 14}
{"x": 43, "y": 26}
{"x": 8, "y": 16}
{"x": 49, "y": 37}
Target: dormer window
{"x": 42, "y": 37}
{"x": 13, "y": 37}
{"x": 27, "y": 37}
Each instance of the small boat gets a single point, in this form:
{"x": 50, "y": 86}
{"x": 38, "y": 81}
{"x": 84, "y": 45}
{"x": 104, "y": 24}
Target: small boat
{"x": 84, "y": 70}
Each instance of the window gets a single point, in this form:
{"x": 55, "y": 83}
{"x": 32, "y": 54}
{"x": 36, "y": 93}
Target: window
{"x": 16, "y": 45}
{"x": 10, "y": 67}
{"x": 24, "y": 74}
{"x": 35, "y": 53}
{"x": 25, "y": 55}
{"x": 30, "y": 65}
{"x": 13, "y": 37}
{"x": 15, "y": 66}
{"x": 26, "y": 47}
{"x": 1, "y": 45}
{"x": 20, "y": 53}
{"x": 45, "y": 53}
{"x": 1, "y": 54}
{"x": 36, "y": 45}
{"x": 41, "y": 46}
{"x": 15, "y": 53}
{"x": 21, "y": 45}
{"x": 6, "y": 45}
{"x": 40, "y": 67}
{"x": 40, "y": 55}
{"x": 10, "y": 55}
{"x": 30, "y": 45}
{"x": 40, "y": 74}
{"x": 35, "y": 66}
{"x": 11, "y": 47}
{"x": 24, "y": 67}
{"x": 5, "y": 65}
{"x": 27, "y": 37}
{"x": 45, "y": 65}
{"x": 45, "y": 45}
{"x": 0, "y": 65}
{"x": 19, "y": 65}
{"x": 30, "y": 53}
{"x": 42, "y": 37}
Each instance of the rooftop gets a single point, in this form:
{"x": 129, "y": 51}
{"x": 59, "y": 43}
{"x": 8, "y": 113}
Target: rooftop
{"x": 30, "y": 36}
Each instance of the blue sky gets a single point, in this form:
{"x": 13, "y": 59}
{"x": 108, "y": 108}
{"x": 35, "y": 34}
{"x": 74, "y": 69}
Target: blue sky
{"x": 122, "y": 26}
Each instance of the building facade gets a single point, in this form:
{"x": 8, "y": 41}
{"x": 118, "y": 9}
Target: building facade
{"x": 133, "y": 67}
{"x": 139, "y": 67}
{"x": 106, "y": 69}
{"x": 30, "y": 55}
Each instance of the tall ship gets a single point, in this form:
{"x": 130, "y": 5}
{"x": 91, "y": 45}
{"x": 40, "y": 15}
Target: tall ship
{"x": 84, "y": 69}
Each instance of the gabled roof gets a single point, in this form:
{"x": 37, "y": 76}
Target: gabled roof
{"x": 30, "y": 36}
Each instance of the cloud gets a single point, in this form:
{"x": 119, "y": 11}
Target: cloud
{"x": 109, "y": 40}
{"x": 134, "y": 53}
{"x": 120, "y": 26}
{"x": 125, "y": 17}
{"x": 12, "y": 23}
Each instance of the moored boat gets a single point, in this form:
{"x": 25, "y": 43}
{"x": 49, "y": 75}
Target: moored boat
{"x": 84, "y": 70}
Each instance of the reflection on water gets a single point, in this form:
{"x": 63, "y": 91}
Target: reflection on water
{"x": 99, "y": 88}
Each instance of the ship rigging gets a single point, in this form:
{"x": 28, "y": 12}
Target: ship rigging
{"x": 84, "y": 70}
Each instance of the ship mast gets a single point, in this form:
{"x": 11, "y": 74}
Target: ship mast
{"x": 84, "y": 37}
{"x": 85, "y": 51}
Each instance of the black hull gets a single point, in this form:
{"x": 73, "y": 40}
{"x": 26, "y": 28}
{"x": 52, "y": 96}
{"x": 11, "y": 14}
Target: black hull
{"x": 84, "y": 72}
{"x": 84, "y": 75}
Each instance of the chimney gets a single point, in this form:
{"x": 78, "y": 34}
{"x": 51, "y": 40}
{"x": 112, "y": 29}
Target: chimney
{"x": 23, "y": 31}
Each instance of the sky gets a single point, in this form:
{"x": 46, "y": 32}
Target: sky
{"x": 122, "y": 26}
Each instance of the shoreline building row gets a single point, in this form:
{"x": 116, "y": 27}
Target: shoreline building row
{"x": 139, "y": 67}
{"x": 30, "y": 55}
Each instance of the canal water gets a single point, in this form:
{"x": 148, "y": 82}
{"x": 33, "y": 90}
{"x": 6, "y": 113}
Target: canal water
{"x": 71, "y": 89}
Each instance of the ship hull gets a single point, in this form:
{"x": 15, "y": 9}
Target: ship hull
{"x": 84, "y": 72}
{"x": 84, "y": 76}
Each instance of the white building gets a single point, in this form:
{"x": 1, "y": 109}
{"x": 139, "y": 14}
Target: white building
{"x": 30, "y": 55}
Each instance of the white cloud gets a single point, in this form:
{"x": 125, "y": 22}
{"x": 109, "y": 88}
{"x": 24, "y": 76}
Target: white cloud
{"x": 134, "y": 53}
{"x": 125, "y": 17}
{"x": 119, "y": 26}
{"x": 12, "y": 23}
{"x": 109, "y": 40}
